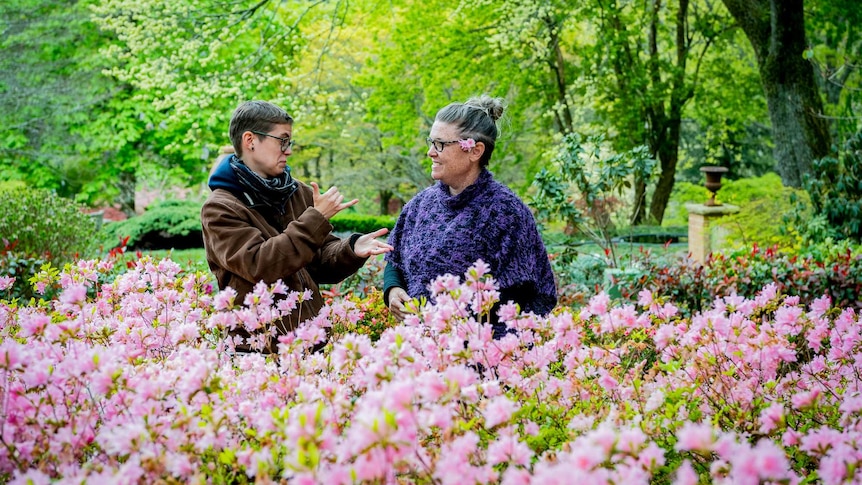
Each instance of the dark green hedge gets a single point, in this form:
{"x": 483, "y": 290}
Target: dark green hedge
{"x": 164, "y": 220}
{"x": 361, "y": 223}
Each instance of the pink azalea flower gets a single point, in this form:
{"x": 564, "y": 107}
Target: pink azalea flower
{"x": 74, "y": 294}
{"x": 467, "y": 145}
{"x": 6, "y": 282}
{"x": 685, "y": 474}
{"x": 771, "y": 417}
{"x": 498, "y": 411}
{"x": 806, "y": 399}
{"x": 694, "y": 437}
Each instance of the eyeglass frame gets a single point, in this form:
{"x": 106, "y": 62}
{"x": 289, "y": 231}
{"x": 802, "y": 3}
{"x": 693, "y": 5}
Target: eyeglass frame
{"x": 443, "y": 144}
{"x": 285, "y": 142}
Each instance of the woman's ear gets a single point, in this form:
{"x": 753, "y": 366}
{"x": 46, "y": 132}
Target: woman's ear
{"x": 477, "y": 151}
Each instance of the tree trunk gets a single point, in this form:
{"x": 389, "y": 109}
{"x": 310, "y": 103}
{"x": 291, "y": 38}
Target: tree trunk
{"x": 665, "y": 123}
{"x": 126, "y": 182}
{"x": 776, "y": 30}
{"x": 385, "y": 197}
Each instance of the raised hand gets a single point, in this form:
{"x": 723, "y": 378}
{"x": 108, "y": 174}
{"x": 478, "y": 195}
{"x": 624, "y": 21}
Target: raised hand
{"x": 367, "y": 244}
{"x": 330, "y": 202}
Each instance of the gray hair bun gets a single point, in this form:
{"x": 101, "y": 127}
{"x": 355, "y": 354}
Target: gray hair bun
{"x": 494, "y": 107}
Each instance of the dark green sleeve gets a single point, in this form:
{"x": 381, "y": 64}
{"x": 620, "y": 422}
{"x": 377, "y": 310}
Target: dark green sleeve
{"x": 392, "y": 278}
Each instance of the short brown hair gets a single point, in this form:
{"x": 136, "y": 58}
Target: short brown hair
{"x": 255, "y": 116}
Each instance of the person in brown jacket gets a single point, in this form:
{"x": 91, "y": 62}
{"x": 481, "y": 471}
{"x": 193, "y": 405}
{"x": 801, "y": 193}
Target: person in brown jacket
{"x": 261, "y": 224}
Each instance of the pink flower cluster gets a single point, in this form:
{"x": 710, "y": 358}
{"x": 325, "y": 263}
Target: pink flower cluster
{"x": 138, "y": 384}
{"x": 467, "y": 145}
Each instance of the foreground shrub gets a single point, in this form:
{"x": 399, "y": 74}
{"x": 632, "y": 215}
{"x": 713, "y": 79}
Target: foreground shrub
{"x": 138, "y": 385}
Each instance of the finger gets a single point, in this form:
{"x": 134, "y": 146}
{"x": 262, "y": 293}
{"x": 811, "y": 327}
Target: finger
{"x": 377, "y": 233}
{"x": 315, "y": 188}
{"x": 351, "y": 203}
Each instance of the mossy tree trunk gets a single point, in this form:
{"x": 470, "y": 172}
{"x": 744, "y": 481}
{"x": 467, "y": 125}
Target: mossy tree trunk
{"x": 776, "y": 30}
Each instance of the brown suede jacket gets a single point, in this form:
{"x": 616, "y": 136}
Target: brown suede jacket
{"x": 246, "y": 244}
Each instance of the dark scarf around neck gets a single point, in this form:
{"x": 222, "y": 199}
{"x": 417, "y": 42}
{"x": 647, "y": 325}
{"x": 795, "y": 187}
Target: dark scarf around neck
{"x": 273, "y": 192}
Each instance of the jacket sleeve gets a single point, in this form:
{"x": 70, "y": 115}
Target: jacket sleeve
{"x": 335, "y": 261}
{"x": 236, "y": 240}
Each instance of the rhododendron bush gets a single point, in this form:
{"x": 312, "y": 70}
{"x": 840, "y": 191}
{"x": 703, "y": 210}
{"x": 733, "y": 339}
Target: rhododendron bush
{"x": 134, "y": 381}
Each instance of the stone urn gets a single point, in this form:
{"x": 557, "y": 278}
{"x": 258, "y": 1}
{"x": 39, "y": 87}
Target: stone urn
{"x": 713, "y": 182}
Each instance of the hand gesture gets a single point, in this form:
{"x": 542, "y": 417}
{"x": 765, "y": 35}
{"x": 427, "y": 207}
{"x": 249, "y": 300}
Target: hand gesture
{"x": 397, "y": 298}
{"x": 367, "y": 244}
{"x": 330, "y": 203}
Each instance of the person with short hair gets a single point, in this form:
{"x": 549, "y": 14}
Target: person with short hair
{"x": 467, "y": 216}
{"x": 261, "y": 224}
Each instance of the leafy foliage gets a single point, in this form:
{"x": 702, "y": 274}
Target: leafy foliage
{"x": 835, "y": 189}
{"x": 585, "y": 187}
{"x": 161, "y": 219}
{"x": 834, "y": 271}
{"x": 39, "y": 223}
{"x": 352, "y": 222}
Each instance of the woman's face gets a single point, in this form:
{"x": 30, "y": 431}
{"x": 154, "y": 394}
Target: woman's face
{"x": 267, "y": 159}
{"x": 452, "y": 165}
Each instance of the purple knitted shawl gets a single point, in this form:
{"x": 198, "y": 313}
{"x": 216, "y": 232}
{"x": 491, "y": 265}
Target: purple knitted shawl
{"x": 438, "y": 233}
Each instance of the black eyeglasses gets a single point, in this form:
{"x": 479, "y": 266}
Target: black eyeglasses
{"x": 285, "y": 142}
{"x": 439, "y": 145}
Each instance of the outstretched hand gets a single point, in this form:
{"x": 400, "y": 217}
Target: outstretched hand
{"x": 367, "y": 244}
{"x": 330, "y": 202}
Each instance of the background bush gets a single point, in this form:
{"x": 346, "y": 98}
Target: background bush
{"x": 828, "y": 269}
{"x": 766, "y": 208}
{"x": 364, "y": 224}
{"x": 167, "y": 224}
{"x": 39, "y": 223}
{"x": 37, "y": 227}
{"x": 835, "y": 190}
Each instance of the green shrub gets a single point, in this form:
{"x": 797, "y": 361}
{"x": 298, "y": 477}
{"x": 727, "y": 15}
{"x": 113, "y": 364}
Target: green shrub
{"x": 584, "y": 187}
{"x": 38, "y": 223}
{"x": 38, "y": 227}
{"x": 361, "y": 223}
{"x": 835, "y": 193}
{"x": 765, "y": 206}
{"x": 164, "y": 219}
{"x": 580, "y": 275}
{"x": 828, "y": 269}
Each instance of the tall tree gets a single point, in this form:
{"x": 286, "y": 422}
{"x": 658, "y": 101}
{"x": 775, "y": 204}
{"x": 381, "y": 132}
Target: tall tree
{"x": 50, "y": 82}
{"x": 776, "y": 30}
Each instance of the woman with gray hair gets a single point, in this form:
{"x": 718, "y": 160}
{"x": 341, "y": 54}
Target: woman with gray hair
{"x": 467, "y": 216}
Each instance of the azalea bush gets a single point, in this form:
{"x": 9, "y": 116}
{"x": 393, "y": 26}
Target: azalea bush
{"x": 134, "y": 381}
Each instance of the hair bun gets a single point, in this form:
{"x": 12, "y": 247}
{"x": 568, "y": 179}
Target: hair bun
{"x": 494, "y": 107}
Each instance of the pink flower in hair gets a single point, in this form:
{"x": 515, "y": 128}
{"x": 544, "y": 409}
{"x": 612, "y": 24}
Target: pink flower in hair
{"x": 467, "y": 144}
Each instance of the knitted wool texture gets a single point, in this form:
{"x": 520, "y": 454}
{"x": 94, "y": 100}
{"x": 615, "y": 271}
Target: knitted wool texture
{"x": 438, "y": 234}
